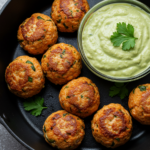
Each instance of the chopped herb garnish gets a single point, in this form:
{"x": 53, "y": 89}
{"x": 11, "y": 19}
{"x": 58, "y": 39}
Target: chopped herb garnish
{"x": 119, "y": 89}
{"x": 34, "y": 105}
{"x": 69, "y": 45}
{"x": 88, "y": 98}
{"x": 44, "y": 29}
{"x": 20, "y": 40}
{"x": 65, "y": 26}
{"x": 47, "y": 64}
{"x": 124, "y": 35}
{"x": 77, "y": 10}
{"x": 38, "y": 17}
{"x": 142, "y": 88}
{"x": 118, "y": 139}
{"x": 61, "y": 56}
{"x": 112, "y": 144}
{"x": 49, "y": 20}
{"x": 30, "y": 79}
{"x": 33, "y": 68}
{"x": 67, "y": 96}
{"x": 44, "y": 129}
{"x": 71, "y": 13}
{"x": 115, "y": 116}
{"x": 44, "y": 56}
{"x": 81, "y": 96}
{"x": 29, "y": 62}
{"x": 76, "y": 4}
{"x": 63, "y": 52}
{"x": 66, "y": 86}
{"x": 133, "y": 90}
{"x": 65, "y": 114}
{"x": 59, "y": 21}
{"x": 50, "y": 141}
{"x": 23, "y": 90}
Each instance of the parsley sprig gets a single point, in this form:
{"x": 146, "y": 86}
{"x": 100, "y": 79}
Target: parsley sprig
{"x": 34, "y": 105}
{"x": 124, "y": 35}
{"x": 119, "y": 89}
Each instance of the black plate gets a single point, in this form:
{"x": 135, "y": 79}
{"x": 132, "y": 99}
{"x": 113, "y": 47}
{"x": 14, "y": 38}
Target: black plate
{"x": 22, "y": 124}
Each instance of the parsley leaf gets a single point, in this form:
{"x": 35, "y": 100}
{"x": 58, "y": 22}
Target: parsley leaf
{"x": 124, "y": 35}
{"x": 34, "y": 105}
{"x": 119, "y": 89}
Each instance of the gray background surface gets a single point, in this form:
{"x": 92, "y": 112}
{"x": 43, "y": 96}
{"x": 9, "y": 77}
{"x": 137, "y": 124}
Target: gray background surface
{"x": 7, "y": 142}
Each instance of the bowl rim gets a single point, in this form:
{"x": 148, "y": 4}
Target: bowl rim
{"x": 79, "y": 40}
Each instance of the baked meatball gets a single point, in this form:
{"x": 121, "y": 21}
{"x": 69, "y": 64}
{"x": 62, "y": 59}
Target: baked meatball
{"x": 37, "y": 33}
{"x": 112, "y": 126}
{"x": 80, "y": 97}
{"x": 63, "y": 130}
{"x": 61, "y": 63}
{"x": 24, "y": 77}
{"x": 67, "y": 14}
{"x": 139, "y": 103}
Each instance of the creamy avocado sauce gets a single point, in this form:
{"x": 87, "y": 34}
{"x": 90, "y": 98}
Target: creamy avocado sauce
{"x": 101, "y": 53}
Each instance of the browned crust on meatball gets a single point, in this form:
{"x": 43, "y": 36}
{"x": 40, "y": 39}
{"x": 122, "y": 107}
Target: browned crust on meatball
{"x": 112, "y": 126}
{"x": 80, "y": 97}
{"x": 63, "y": 130}
{"x": 24, "y": 79}
{"x": 118, "y": 114}
{"x": 17, "y": 66}
{"x": 53, "y": 66}
{"x": 71, "y": 122}
{"x": 67, "y": 14}
{"x": 139, "y": 103}
{"x": 81, "y": 88}
{"x": 61, "y": 63}
{"x": 64, "y": 7}
{"x": 37, "y": 33}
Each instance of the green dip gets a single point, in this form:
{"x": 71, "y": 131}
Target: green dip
{"x": 101, "y": 53}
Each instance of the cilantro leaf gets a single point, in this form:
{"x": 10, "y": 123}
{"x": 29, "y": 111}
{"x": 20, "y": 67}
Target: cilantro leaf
{"x": 119, "y": 89}
{"x": 34, "y": 105}
{"x": 114, "y": 91}
{"x": 124, "y": 36}
{"x": 123, "y": 93}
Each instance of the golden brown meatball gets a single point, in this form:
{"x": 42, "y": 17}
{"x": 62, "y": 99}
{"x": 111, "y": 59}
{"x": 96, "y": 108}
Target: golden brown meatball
{"x": 37, "y": 33}
{"x": 24, "y": 77}
{"x": 80, "y": 97}
{"x": 67, "y": 14}
{"x": 112, "y": 125}
{"x": 139, "y": 103}
{"x": 63, "y": 130}
{"x": 61, "y": 63}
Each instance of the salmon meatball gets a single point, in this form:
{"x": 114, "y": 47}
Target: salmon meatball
{"x": 67, "y": 14}
{"x": 80, "y": 97}
{"x": 139, "y": 103}
{"x": 24, "y": 77}
{"x": 63, "y": 130}
{"x": 112, "y": 126}
{"x": 61, "y": 63}
{"x": 37, "y": 33}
